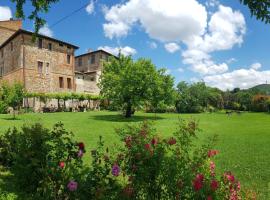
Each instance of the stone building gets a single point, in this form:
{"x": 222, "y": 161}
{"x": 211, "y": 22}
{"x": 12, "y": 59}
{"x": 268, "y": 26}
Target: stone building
{"x": 88, "y": 68}
{"x": 46, "y": 65}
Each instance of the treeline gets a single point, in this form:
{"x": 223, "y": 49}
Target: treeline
{"x": 197, "y": 97}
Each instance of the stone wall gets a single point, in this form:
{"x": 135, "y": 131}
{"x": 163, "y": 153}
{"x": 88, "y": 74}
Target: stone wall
{"x": 87, "y": 83}
{"x": 8, "y": 28}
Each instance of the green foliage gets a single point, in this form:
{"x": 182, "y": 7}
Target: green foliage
{"x": 259, "y": 9}
{"x": 197, "y": 97}
{"x": 39, "y": 6}
{"x": 11, "y": 96}
{"x": 129, "y": 84}
{"x": 42, "y": 161}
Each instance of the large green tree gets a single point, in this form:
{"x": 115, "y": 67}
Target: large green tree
{"x": 130, "y": 84}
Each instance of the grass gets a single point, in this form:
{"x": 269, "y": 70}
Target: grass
{"x": 243, "y": 140}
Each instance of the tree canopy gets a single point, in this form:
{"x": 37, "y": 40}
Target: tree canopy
{"x": 130, "y": 84}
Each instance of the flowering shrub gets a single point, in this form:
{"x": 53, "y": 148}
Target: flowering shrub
{"x": 48, "y": 165}
{"x": 45, "y": 163}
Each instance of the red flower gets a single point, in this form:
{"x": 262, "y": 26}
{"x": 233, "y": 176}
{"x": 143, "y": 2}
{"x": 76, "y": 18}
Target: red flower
{"x": 81, "y": 145}
{"x": 62, "y": 164}
{"x": 212, "y": 153}
{"x": 198, "y": 182}
{"x": 147, "y": 147}
{"x": 172, "y": 141}
{"x": 197, "y": 185}
{"x": 214, "y": 185}
{"x": 200, "y": 177}
{"x": 154, "y": 141}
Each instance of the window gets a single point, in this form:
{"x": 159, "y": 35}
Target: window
{"x": 69, "y": 85}
{"x": 68, "y": 59}
{"x": 47, "y": 68}
{"x": 61, "y": 44}
{"x": 11, "y": 46}
{"x": 93, "y": 59}
{"x": 50, "y": 46}
{"x": 61, "y": 82}
{"x": 68, "y": 47}
{"x": 40, "y": 66}
{"x": 80, "y": 62}
{"x": 40, "y": 43}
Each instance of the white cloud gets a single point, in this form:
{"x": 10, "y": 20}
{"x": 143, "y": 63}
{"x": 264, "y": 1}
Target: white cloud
{"x": 212, "y": 3}
{"x": 181, "y": 21}
{"x": 172, "y": 47}
{"x": 152, "y": 45}
{"x": 45, "y": 30}
{"x": 226, "y": 28}
{"x": 256, "y": 66}
{"x": 173, "y": 20}
{"x": 241, "y": 78}
{"x": 5, "y": 13}
{"x": 90, "y": 8}
{"x": 126, "y": 51}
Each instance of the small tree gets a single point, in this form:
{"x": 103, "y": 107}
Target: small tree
{"x": 13, "y": 96}
{"x": 129, "y": 83}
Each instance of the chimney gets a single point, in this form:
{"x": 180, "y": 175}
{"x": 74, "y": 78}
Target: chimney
{"x": 89, "y": 50}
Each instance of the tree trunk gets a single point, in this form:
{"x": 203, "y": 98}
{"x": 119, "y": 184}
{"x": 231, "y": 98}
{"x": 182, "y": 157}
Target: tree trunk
{"x": 128, "y": 110}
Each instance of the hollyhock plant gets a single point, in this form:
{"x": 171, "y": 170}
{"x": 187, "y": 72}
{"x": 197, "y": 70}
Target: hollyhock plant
{"x": 154, "y": 141}
{"x": 147, "y": 146}
{"x": 128, "y": 141}
{"x": 198, "y": 182}
{"x": 72, "y": 186}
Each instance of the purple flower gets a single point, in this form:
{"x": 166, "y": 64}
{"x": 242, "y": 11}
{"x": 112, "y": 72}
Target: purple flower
{"x": 72, "y": 186}
{"x": 115, "y": 170}
{"x": 80, "y": 153}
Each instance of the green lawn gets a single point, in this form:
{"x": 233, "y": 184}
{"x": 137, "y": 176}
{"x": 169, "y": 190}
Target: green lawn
{"x": 243, "y": 142}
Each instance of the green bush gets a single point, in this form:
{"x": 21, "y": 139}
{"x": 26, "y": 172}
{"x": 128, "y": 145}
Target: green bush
{"x": 3, "y": 107}
{"x": 43, "y": 161}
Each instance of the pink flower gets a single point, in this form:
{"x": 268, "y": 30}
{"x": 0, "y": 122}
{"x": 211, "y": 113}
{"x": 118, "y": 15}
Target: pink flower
{"x": 214, "y": 185}
{"x": 212, "y": 153}
{"x": 115, "y": 170}
{"x": 200, "y": 177}
{"x": 80, "y": 153}
{"x": 72, "y": 186}
{"x": 229, "y": 176}
{"x": 172, "y": 141}
{"x": 62, "y": 164}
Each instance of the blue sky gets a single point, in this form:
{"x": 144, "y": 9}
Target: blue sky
{"x": 214, "y": 41}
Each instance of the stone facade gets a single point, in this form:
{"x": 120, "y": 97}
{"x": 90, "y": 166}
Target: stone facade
{"x": 88, "y": 70}
{"x": 8, "y": 28}
{"x": 46, "y": 65}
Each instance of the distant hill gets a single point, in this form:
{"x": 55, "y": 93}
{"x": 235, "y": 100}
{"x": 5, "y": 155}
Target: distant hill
{"x": 264, "y": 88}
